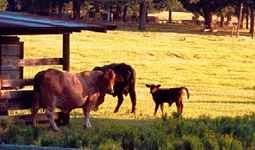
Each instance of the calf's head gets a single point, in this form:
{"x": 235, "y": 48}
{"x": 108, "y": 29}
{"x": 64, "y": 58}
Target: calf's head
{"x": 153, "y": 88}
{"x": 109, "y": 78}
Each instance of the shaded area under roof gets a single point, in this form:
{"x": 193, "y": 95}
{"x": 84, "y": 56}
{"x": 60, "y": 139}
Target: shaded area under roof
{"x": 13, "y": 23}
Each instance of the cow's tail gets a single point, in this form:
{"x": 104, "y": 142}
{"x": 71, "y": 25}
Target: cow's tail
{"x": 36, "y": 88}
{"x": 187, "y": 91}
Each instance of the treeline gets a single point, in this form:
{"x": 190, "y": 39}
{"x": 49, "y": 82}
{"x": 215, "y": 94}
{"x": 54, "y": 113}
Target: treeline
{"x": 137, "y": 10}
{"x": 243, "y": 9}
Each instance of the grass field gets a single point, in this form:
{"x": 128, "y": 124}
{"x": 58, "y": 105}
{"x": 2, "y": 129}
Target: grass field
{"x": 218, "y": 69}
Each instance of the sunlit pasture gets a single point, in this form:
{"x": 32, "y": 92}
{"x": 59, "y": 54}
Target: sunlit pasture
{"x": 216, "y": 68}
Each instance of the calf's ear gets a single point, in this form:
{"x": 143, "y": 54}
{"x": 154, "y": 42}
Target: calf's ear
{"x": 147, "y": 85}
{"x": 158, "y": 85}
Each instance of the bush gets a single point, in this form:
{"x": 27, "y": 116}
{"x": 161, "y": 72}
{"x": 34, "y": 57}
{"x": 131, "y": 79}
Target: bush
{"x": 110, "y": 145}
{"x": 211, "y": 142}
{"x": 193, "y": 142}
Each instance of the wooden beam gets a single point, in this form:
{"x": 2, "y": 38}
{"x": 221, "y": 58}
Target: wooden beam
{"x": 15, "y": 83}
{"x": 16, "y": 99}
{"x": 66, "y": 51}
{"x": 41, "y": 61}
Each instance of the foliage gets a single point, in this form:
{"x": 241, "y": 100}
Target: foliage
{"x": 2, "y": 5}
{"x": 174, "y": 133}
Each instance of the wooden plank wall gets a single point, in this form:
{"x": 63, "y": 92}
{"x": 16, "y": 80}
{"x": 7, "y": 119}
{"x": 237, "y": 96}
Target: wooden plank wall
{"x": 12, "y": 62}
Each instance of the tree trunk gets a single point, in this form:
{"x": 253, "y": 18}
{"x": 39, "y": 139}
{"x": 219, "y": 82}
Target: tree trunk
{"x": 76, "y": 9}
{"x": 170, "y": 15}
{"x": 124, "y": 17}
{"x": 229, "y": 19}
{"x": 247, "y": 18}
{"x": 11, "y": 5}
{"x": 142, "y": 16}
{"x": 252, "y": 22}
{"x": 208, "y": 20}
{"x": 239, "y": 19}
{"x": 221, "y": 20}
{"x": 60, "y": 9}
{"x": 118, "y": 13}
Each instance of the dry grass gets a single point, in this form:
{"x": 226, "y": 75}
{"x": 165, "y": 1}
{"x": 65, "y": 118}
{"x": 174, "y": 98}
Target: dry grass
{"x": 218, "y": 70}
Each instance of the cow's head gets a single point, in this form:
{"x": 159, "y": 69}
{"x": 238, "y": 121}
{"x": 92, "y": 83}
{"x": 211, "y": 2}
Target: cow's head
{"x": 109, "y": 79}
{"x": 153, "y": 87}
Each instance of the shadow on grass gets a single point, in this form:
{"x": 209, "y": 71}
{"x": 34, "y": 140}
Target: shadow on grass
{"x": 223, "y": 102}
{"x": 184, "y": 28}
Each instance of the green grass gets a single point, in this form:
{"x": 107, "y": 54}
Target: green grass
{"x": 218, "y": 70}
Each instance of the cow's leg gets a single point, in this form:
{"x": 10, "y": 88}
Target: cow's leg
{"x": 50, "y": 101}
{"x": 64, "y": 117}
{"x": 35, "y": 107}
{"x": 132, "y": 96}
{"x": 86, "y": 110}
{"x": 162, "y": 109}
{"x": 49, "y": 113}
{"x": 156, "y": 109}
{"x": 120, "y": 100}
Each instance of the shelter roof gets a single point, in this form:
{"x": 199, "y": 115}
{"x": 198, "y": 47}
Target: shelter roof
{"x": 13, "y": 23}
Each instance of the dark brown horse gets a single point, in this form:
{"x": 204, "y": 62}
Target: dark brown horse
{"x": 64, "y": 90}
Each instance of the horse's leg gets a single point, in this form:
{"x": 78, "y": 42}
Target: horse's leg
{"x": 132, "y": 96}
{"x": 120, "y": 100}
{"x": 86, "y": 110}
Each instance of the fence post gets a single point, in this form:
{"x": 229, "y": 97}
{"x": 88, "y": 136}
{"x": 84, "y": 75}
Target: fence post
{"x": 66, "y": 51}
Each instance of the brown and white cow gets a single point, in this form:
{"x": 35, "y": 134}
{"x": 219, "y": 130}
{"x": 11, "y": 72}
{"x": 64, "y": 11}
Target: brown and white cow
{"x": 65, "y": 90}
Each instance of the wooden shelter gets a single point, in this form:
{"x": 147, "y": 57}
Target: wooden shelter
{"x": 12, "y": 95}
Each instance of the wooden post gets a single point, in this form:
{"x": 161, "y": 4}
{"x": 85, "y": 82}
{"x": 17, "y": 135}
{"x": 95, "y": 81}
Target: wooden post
{"x": 66, "y": 51}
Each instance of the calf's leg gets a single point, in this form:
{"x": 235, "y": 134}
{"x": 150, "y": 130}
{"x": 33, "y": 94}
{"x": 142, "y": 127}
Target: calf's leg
{"x": 132, "y": 96}
{"x": 120, "y": 100}
{"x": 156, "y": 109}
{"x": 162, "y": 109}
{"x": 179, "y": 107}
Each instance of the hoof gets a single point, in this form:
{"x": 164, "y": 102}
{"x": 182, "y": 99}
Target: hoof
{"x": 56, "y": 129}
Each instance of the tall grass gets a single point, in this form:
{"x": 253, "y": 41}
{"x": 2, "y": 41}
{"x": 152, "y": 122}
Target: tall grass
{"x": 174, "y": 133}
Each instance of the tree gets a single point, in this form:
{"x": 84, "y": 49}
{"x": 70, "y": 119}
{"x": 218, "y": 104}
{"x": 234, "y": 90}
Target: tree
{"x": 167, "y": 5}
{"x": 11, "y": 5}
{"x": 2, "y": 5}
{"x": 205, "y": 8}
